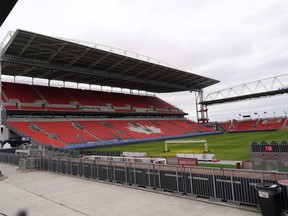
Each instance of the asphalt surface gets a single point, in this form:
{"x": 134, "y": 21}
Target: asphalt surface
{"x": 45, "y": 193}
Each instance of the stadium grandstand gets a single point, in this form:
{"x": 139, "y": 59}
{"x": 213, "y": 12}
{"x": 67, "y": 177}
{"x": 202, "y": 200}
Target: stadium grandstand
{"x": 74, "y": 117}
{"x": 259, "y": 124}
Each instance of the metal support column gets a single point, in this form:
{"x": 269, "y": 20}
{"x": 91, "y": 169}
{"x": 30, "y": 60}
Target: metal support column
{"x": 202, "y": 111}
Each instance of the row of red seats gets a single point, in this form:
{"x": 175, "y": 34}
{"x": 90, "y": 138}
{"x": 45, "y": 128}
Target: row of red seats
{"x": 25, "y": 129}
{"x": 32, "y": 96}
{"x": 61, "y": 133}
{"x": 254, "y": 124}
{"x": 274, "y": 123}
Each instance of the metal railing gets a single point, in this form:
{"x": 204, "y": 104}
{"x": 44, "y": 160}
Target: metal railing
{"x": 227, "y": 185}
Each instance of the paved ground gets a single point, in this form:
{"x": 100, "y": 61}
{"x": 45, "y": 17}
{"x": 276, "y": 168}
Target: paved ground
{"x": 45, "y": 193}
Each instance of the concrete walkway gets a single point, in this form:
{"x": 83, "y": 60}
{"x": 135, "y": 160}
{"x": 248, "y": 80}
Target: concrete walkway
{"x": 45, "y": 193}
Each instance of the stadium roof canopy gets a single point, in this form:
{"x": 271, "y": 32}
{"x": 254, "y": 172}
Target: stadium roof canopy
{"x": 39, "y": 56}
{"x": 6, "y": 7}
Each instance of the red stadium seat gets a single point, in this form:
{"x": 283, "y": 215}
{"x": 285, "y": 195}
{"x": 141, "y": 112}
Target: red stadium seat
{"x": 67, "y": 132}
{"x": 64, "y": 99}
{"x": 61, "y": 132}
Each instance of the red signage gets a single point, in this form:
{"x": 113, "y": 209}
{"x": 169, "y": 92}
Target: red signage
{"x": 188, "y": 161}
{"x": 268, "y": 148}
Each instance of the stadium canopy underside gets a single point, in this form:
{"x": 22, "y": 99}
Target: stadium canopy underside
{"x": 39, "y": 56}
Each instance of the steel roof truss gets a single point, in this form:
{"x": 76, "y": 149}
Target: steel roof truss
{"x": 6, "y": 64}
{"x": 155, "y": 74}
{"x": 146, "y": 69}
{"x": 115, "y": 65}
{"x": 50, "y": 72}
{"x": 99, "y": 60}
{"x": 80, "y": 56}
{"x": 81, "y": 70}
{"x": 27, "y": 70}
{"x": 132, "y": 67}
{"x": 57, "y": 51}
{"x": 64, "y": 75}
{"x": 27, "y": 45}
{"x": 50, "y": 57}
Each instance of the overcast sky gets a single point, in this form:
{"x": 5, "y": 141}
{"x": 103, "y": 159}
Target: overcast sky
{"x": 233, "y": 41}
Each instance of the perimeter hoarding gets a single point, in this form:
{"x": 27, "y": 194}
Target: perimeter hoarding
{"x": 188, "y": 161}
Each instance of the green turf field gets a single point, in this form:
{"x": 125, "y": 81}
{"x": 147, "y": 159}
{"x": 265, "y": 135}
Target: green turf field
{"x": 231, "y": 146}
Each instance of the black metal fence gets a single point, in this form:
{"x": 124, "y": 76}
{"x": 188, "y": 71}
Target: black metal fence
{"x": 226, "y": 185}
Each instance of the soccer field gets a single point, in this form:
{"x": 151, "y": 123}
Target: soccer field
{"x": 230, "y": 146}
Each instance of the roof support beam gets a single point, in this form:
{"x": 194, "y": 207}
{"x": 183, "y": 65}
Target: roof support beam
{"x": 64, "y": 75}
{"x": 146, "y": 69}
{"x": 58, "y": 51}
{"x": 80, "y": 56}
{"x": 155, "y": 74}
{"x": 83, "y": 79}
{"x": 130, "y": 68}
{"x": 113, "y": 66}
{"x": 27, "y": 70}
{"x": 186, "y": 81}
{"x": 39, "y": 53}
{"x": 167, "y": 76}
{"x": 43, "y": 75}
{"x": 5, "y": 65}
{"x": 65, "y": 58}
{"x": 99, "y": 60}
{"x": 27, "y": 45}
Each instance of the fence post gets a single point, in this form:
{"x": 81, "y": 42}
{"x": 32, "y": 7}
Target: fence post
{"x": 134, "y": 174}
{"x": 107, "y": 170}
{"x": 126, "y": 173}
{"x": 159, "y": 176}
{"x": 154, "y": 177}
{"x": 214, "y": 184}
{"x": 149, "y": 181}
{"x": 177, "y": 179}
{"x": 78, "y": 166}
{"x": 190, "y": 179}
{"x": 49, "y": 164}
{"x": 91, "y": 170}
{"x": 58, "y": 164}
{"x": 232, "y": 186}
{"x": 111, "y": 171}
{"x": 97, "y": 169}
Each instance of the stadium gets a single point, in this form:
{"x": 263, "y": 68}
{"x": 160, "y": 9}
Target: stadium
{"x": 84, "y": 131}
